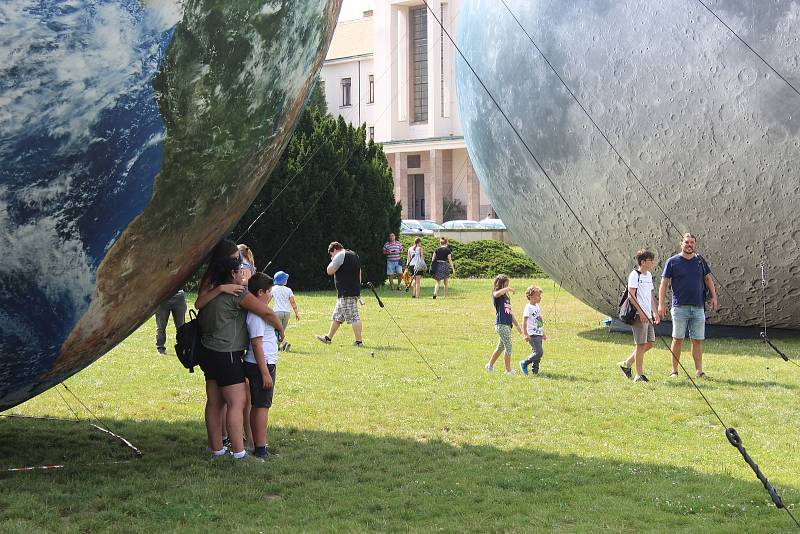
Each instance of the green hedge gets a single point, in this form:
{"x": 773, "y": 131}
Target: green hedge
{"x": 481, "y": 259}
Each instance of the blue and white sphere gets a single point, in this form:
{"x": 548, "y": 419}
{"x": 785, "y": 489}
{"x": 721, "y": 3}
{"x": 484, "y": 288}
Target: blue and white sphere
{"x": 133, "y": 135}
{"x": 710, "y": 130}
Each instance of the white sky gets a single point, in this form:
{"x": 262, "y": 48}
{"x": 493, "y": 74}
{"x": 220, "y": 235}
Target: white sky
{"x": 354, "y": 9}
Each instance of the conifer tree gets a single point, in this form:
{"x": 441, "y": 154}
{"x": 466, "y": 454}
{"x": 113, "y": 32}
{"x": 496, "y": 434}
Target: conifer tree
{"x": 344, "y": 193}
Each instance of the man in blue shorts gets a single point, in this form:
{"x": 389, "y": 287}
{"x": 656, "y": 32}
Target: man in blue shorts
{"x": 393, "y": 250}
{"x": 689, "y": 276}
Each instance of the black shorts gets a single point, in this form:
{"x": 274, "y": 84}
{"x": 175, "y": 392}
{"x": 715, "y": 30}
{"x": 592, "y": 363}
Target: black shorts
{"x": 259, "y": 397}
{"x": 225, "y": 368}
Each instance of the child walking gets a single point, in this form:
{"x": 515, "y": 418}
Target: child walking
{"x": 640, "y": 294}
{"x": 533, "y": 324}
{"x": 504, "y": 318}
{"x": 283, "y": 300}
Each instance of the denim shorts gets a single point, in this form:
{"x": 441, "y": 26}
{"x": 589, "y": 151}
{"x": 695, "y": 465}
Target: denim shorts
{"x": 394, "y": 267}
{"x": 689, "y": 320}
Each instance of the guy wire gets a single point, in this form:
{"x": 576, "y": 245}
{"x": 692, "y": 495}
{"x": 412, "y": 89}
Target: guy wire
{"x": 736, "y": 306}
{"x": 574, "y": 214}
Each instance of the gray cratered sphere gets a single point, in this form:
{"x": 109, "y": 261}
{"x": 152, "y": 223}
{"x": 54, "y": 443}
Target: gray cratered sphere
{"x": 712, "y": 133}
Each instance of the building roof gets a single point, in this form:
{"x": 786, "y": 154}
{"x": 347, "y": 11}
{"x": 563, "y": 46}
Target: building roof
{"x": 351, "y": 39}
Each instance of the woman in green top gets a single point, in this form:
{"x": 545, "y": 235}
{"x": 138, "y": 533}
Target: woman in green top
{"x": 223, "y": 341}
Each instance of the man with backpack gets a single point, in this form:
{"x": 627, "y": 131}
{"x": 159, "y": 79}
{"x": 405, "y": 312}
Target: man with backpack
{"x": 345, "y": 267}
{"x": 640, "y": 296}
{"x": 690, "y": 277}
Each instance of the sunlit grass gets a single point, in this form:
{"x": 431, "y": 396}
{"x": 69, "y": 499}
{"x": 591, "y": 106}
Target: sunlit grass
{"x": 379, "y": 443}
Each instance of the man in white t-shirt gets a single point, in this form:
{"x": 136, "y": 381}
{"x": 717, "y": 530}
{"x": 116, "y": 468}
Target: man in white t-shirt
{"x": 282, "y": 304}
{"x": 260, "y": 361}
{"x": 640, "y": 294}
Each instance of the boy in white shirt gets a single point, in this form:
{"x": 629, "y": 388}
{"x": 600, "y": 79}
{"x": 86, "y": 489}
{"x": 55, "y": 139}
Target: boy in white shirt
{"x": 640, "y": 294}
{"x": 282, "y": 300}
{"x": 259, "y": 365}
{"x": 533, "y": 326}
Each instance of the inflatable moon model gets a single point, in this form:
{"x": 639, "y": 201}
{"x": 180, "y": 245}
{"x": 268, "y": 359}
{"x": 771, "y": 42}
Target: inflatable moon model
{"x": 133, "y": 134}
{"x": 710, "y": 130}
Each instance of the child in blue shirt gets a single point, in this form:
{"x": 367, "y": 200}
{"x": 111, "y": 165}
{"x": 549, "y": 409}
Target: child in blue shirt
{"x": 504, "y": 318}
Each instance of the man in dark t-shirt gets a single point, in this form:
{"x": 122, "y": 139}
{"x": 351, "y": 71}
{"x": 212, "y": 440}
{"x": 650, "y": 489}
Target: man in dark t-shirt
{"x": 689, "y": 276}
{"x": 345, "y": 267}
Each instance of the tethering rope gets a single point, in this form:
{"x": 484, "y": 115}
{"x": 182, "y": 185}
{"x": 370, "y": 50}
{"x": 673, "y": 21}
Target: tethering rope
{"x": 736, "y": 306}
{"x": 101, "y": 426}
{"x": 730, "y": 432}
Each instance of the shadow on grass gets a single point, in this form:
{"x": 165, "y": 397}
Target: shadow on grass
{"x": 337, "y": 481}
{"x": 601, "y": 335}
{"x": 711, "y": 381}
{"x": 737, "y": 347}
{"x": 547, "y": 375}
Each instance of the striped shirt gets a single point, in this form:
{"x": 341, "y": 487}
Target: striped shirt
{"x": 394, "y": 249}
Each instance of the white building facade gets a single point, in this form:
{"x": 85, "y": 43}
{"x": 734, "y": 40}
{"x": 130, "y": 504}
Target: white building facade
{"x": 348, "y": 74}
{"x": 405, "y": 82}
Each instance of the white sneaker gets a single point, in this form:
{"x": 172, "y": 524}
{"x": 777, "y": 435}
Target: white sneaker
{"x": 488, "y": 367}
{"x": 511, "y": 372}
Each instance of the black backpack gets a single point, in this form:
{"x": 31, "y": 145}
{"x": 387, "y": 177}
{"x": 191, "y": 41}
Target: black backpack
{"x": 627, "y": 311}
{"x": 187, "y": 342}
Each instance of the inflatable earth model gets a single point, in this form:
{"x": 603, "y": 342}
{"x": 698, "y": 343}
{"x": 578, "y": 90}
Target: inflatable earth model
{"x": 710, "y": 130}
{"x": 133, "y": 135}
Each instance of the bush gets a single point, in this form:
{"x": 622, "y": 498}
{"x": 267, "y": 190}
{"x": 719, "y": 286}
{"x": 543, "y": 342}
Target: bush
{"x": 481, "y": 259}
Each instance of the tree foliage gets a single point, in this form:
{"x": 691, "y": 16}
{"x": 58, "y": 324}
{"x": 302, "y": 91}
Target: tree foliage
{"x": 331, "y": 185}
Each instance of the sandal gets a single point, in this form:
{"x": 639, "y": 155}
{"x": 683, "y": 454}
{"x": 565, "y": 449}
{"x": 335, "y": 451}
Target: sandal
{"x": 701, "y": 374}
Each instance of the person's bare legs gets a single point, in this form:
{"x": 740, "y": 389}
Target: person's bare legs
{"x": 445, "y": 288}
{"x": 507, "y": 362}
{"x": 435, "y": 287}
{"x": 495, "y": 355}
{"x": 677, "y": 345}
{"x": 248, "y": 432}
{"x": 223, "y": 425}
{"x": 419, "y": 284}
{"x": 697, "y": 355}
{"x": 213, "y": 414}
{"x": 235, "y": 397}
{"x": 334, "y": 327}
{"x": 391, "y": 284}
{"x": 258, "y": 422}
{"x": 639, "y": 356}
{"x": 631, "y": 358}
{"x": 357, "y": 330}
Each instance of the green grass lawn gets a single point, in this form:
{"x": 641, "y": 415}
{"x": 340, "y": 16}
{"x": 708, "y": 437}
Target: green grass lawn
{"x": 379, "y": 444}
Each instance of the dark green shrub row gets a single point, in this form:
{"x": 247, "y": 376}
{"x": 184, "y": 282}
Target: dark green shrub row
{"x": 481, "y": 259}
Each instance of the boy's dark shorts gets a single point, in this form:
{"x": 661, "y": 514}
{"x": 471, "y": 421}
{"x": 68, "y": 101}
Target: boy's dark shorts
{"x": 259, "y": 397}
{"x": 225, "y": 368}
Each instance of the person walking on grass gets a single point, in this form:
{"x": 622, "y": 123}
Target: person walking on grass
{"x": 392, "y": 249}
{"x": 284, "y": 304}
{"x": 441, "y": 264}
{"x": 504, "y": 318}
{"x": 689, "y": 276}
{"x": 345, "y": 267}
{"x": 416, "y": 264}
{"x": 640, "y": 295}
{"x": 533, "y": 326}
